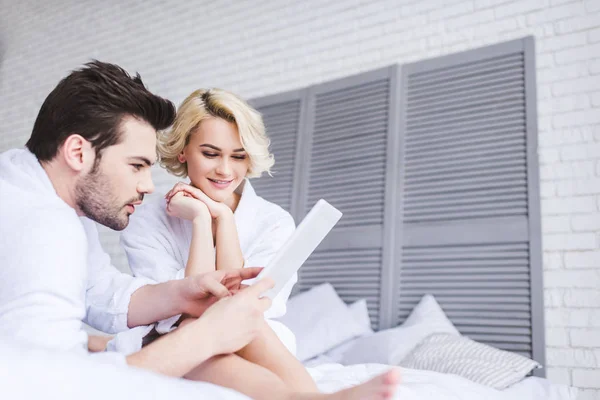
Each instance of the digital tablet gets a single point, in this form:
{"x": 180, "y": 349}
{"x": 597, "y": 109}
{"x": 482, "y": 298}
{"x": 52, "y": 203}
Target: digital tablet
{"x": 305, "y": 239}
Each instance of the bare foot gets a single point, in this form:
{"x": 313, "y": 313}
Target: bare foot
{"x": 382, "y": 387}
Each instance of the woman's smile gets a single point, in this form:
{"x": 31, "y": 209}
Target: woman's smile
{"x": 220, "y": 183}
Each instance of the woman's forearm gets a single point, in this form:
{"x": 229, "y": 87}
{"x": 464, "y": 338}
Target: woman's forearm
{"x": 202, "y": 251}
{"x": 229, "y": 253}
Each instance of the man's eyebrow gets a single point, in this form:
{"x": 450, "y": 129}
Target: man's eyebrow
{"x": 218, "y": 149}
{"x": 144, "y": 160}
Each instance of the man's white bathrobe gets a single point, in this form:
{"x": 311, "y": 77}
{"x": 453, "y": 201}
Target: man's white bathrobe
{"x": 53, "y": 271}
{"x": 157, "y": 246}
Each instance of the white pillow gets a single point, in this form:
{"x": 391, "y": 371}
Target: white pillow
{"x": 390, "y": 346}
{"x": 475, "y": 361}
{"x": 320, "y": 320}
{"x": 360, "y": 312}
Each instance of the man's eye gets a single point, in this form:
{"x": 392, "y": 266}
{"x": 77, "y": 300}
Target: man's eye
{"x": 210, "y": 155}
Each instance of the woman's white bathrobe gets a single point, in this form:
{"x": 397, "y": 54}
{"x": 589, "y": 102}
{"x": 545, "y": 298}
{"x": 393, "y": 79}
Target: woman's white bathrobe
{"x": 53, "y": 271}
{"x": 158, "y": 245}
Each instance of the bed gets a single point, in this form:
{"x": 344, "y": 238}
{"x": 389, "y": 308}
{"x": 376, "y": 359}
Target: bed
{"x": 434, "y": 165}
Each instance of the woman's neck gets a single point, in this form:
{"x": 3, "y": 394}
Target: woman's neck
{"x": 233, "y": 201}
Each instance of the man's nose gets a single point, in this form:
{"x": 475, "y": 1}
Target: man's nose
{"x": 146, "y": 186}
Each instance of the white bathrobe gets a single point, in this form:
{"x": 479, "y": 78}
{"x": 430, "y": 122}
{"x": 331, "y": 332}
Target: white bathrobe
{"x": 53, "y": 271}
{"x": 157, "y": 247}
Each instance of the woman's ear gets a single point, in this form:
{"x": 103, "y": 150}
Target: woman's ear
{"x": 181, "y": 158}
{"x": 78, "y": 153}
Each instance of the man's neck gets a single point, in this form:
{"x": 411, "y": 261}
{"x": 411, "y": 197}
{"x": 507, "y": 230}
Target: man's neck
{"x": 63, "y": 182}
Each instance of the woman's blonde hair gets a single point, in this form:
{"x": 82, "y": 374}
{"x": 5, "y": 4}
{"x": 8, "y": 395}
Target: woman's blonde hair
{"x": 207, "y": 103}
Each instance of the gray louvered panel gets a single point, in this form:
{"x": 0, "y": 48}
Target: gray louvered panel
{"x": 282, "y": 123}
{"x": 351, "y": 92}
{"x": 452, "y": 158}
{"x": 462, "y": 150}
{"x": 462, "y": 201}
{"x": 352, "y": 158}
{"x": 465, "y": 160}
{"x": 466, "y": 83}
{"x": 473, "y": 140}
{"x": 463, "y": 165}
{"x": 441, "y": 101}
{"x": 356, "y": 146}
{"x": 369, "y": 186}
{"x": 355, "y": 274}
{"x": 490, "y": 147}
{"x": 483, "y": 110}
{"x": 338, "y": 169}
{"x": 482, "y": 100}
{"x": 334, "y": 134}
{"x": 482, "y": 288}
{"x": 465, "y": 132}
{"x": 373, "y": 102}
{"x": 466, "y": 69}
{"x": 489, "y": 125}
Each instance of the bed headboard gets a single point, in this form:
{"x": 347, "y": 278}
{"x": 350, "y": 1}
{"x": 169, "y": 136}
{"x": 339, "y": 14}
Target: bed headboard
{"x": 434, "y": 165}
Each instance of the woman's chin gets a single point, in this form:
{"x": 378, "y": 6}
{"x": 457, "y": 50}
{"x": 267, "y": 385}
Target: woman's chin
{"x": 216, "y": 196}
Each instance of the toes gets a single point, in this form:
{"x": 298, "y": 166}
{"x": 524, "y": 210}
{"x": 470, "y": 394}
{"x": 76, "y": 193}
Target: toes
{"x": 392, "y": 377}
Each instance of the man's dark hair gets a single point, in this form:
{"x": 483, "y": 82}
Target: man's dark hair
{"x": 91, "y": 102}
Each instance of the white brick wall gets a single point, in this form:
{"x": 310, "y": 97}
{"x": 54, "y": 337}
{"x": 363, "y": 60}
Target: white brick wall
{"x": 261, "y": 47}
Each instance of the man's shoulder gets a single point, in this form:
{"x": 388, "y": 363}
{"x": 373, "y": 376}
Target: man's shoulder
{"x": 40, "y": 220}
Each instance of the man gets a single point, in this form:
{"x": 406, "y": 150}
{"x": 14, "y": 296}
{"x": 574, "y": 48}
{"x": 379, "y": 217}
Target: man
{"x": 88, "y": 159}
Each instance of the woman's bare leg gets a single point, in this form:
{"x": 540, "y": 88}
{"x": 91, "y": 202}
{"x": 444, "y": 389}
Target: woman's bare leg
{"x": 268, "y": 351}
{"x": 234, "y": 372}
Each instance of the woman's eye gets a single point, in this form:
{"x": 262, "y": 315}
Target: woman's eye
{"x": 137, "y": 167}
{"x": 239, "y": 157}
{"x": 210, "y": 155}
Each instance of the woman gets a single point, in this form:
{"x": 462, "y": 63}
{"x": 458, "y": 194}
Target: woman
{"x": 218, "y": 222}
{"x": 233, "y": 227}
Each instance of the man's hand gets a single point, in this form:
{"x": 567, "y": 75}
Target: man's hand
{"x": 225, "y": 328}
{"x": 236, "y": 320}
{"x": 186, "y": 207}
{"x": 216, "y": 209}
{"x": 199, "y": 292}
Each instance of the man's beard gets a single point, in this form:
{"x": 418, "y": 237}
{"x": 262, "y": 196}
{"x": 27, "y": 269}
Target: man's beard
{"x": 95, "y": 199}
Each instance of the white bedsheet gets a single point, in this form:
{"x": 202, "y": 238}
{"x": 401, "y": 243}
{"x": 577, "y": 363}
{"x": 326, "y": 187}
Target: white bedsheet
{"x": 35, "y": 374}
{"x": 27, "y": 373}
{"x": 425, "y": 385}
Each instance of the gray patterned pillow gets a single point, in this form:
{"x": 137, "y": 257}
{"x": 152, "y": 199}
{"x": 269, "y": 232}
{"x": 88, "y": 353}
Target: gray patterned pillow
{"x": 476, "y": 361}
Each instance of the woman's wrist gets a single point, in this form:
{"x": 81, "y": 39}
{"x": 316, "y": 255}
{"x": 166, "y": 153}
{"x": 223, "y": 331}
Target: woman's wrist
{"x": 224, "y": 214}
{"x": 202, "y": 220}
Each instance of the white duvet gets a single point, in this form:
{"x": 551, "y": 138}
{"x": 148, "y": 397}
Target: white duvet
{"x": 425, "y": 385}
{"x": 27, "y": 373}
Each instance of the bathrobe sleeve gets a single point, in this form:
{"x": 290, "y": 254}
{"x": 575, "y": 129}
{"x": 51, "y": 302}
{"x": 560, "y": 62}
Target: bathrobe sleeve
{"x": 108, "y": 291}
{"x": 270, "y": 243}
{"x": 150, "y": 246}
{"x": 42, "y": 280}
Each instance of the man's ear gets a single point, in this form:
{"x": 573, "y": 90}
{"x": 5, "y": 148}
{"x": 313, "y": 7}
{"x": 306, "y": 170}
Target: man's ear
{"x": 78, "y": 153}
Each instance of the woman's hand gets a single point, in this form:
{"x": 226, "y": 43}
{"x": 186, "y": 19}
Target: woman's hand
{"x": 216, "y": 209}
{"x": 199, "y": 292}
{"x": 187, "y": 207}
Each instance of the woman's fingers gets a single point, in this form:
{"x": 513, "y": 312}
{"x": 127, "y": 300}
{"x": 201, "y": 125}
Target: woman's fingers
{"x": 215, "y": 288}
